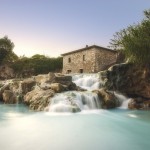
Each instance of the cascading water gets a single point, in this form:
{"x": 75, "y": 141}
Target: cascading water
{"x": 87, "y": 81}
{"x": 75, "y": 101}
{"x": 124, "y": 100}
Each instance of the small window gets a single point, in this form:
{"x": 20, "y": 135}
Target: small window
{"x": 83, "y": 57}
{"x": 68, "y": 71}
{"x": 69, "y": 60}
{"x": 81, "y": 70}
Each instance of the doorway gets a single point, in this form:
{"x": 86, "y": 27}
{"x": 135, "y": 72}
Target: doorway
{"x": 81, "y": 70}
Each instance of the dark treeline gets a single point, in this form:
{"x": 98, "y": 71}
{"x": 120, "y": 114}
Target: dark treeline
{"x": 37, "y": 64}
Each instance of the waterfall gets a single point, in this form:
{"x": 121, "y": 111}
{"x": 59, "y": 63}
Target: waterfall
{"x": 123, "y": 100}
{"x": 87, "y": 81}
{"x": 74, "y": 101}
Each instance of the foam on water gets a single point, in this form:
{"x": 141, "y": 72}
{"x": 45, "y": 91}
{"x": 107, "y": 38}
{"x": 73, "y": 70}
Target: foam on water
{"x": 124, "y": 100}
{"x": 87, "y": 81}
{"x": 74, "y": 101}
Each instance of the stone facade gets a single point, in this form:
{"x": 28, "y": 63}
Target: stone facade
{"x": 88, "y": 60}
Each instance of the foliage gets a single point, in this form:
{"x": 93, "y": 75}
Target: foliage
{"x": 3, "y": 54}
{"x": 37, "y": 64}
{"x": 134, "y": 41}
{"x": 6, "y": 50}
{"x": 6, "y": 43}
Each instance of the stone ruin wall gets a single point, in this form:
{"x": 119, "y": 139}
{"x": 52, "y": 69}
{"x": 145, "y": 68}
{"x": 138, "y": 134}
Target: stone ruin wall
{"x": 77, "y": 62}
{"x": 104, "y": 59}
{"x": 95, "y": 60}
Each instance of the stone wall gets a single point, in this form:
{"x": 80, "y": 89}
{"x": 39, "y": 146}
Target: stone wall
{"x": 104, "y": 59}
{"x": 78, "y": 63}
{"x": 95, "y": 59}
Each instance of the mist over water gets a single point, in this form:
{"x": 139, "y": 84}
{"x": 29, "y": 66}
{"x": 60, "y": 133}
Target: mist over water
{"x": 92, "y": 128}
{"x": 115, "y": 129}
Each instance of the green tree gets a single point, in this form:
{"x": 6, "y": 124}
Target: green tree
{"x": 134, "y": 41}
{"x": 6, "y": 43}
{"x": 3, "y": 54}
{"x": 37, "y": 64}
{"x": 6, "y": 50}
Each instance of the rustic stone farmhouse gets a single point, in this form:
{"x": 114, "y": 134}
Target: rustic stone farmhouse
{"x": 90, "y": 59}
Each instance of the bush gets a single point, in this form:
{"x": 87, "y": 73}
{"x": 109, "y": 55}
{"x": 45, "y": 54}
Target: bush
{"x": 38, "y": 64}
{"x": 134, "y": 41}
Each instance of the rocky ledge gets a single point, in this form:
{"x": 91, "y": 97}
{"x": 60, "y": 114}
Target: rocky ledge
{"x": 107, "y": 99}
{"x": 36, "y": 91}
{"x": 131, "y": 80}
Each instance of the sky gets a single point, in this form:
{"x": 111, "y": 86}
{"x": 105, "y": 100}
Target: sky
{"x": 54, "y": 27}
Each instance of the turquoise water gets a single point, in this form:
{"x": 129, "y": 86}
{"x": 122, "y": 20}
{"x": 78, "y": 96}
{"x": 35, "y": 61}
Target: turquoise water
{"x": 21, "y": 129}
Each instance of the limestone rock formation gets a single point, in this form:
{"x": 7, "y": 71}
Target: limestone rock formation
{"x": 56, "y": 79}
{"x": 44, "y": 78}
{"x": 57, "y": 87}
{"x": 35, "y": 91}
{"x": 132, "y": 80}
{"x": 139, "y": 103}
{"x": 6, "y": 72}
{"x": 38, "y": 99}
{"x": 27, "y": 85}
{"x": 107, "y": 99}
{"x": 9, "y": 97}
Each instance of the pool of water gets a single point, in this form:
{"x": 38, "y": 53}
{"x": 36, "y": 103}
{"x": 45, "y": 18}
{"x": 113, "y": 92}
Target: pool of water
{"x": 22, "y": 129}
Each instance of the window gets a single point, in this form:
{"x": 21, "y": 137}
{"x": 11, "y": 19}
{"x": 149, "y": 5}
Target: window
{"x": 69, "y": 60}
{"x": 81, "y": 70}
{"x": 83, "y": 57}
{"x": 68, "y": 71}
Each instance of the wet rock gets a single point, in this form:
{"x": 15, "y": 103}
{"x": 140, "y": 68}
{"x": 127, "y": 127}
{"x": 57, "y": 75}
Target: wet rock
{"x": 38, "y": 99}
{"x": 129, "y": 79}
{"x": 57, "y": 87}
{"x": 139, "y": 103}
{"x": 63, "y": 79}
{"x": 80, "y": 89}
{"x": 2, "y": 89}
{"x": 6, "y": 72}
{"x": 107, "y": 99}
{"x": 35, "y": 91}
{"x": 44, "y": 78}
{"x": 62, "y": 82}
{"x": 27, "y": 85}
{"x": 53, "y": 78}
{"x": 9, "y": 97}
{"x": 44, "y": 86}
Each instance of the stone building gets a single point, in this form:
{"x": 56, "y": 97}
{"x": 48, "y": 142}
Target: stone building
{"x": 90, "y": 59}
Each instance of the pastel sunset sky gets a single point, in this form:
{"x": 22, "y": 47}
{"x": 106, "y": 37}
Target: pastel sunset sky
{"x": 53, "y": 27}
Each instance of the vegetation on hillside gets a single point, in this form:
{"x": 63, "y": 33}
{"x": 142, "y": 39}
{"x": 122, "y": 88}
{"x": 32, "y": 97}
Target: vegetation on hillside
{"x": 6, "y": 51}
{"x": 37, "y": 64}
{"x": 134, "y": 41}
